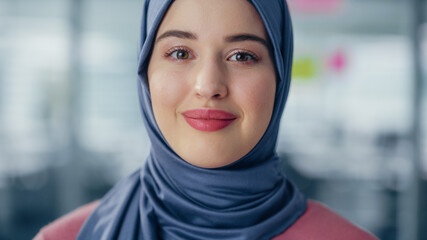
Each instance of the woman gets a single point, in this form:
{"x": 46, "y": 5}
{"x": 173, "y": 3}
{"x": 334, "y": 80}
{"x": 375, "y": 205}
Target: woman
{"x": 214, "y": 76}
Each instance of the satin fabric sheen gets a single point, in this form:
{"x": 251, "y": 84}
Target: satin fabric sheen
{"x": 168, "y": 198}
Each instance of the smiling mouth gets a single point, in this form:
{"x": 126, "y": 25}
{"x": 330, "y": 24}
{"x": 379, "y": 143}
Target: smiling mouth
{"x": 208, "y": 119}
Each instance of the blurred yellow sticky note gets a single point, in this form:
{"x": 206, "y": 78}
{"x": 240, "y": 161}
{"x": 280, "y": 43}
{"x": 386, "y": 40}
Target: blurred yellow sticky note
{"x": 304, "y": 68}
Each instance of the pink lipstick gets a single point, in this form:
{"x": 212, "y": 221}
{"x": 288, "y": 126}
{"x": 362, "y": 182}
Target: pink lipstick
{"x": 208, "y": 119}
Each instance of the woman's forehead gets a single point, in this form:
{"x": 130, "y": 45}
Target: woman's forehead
{"x": 213, "y": 18}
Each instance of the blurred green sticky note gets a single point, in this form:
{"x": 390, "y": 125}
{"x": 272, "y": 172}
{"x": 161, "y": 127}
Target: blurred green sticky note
{"x": 304, "y": 68}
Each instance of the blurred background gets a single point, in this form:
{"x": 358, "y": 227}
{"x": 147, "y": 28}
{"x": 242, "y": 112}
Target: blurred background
{"x": 353, "y": 134}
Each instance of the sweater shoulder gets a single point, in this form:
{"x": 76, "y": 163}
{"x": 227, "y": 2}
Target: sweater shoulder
{"x": 320, "y": 223}
{"x": 68, "y": 226}
{"x": 317, "y": 223}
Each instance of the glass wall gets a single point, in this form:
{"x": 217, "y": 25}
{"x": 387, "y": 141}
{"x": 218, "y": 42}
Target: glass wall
{"x": 70, "y": 124}
{"x": 349, "y": 119}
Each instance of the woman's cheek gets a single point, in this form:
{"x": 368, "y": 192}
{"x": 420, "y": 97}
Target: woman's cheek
{"x": 167, "y": 90}
{"x": 256, "y": 93}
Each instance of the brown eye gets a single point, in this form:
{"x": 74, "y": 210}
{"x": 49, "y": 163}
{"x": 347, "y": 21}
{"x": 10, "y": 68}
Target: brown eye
{"x": 243, "y": 57}
{"x": 180, "y": 54}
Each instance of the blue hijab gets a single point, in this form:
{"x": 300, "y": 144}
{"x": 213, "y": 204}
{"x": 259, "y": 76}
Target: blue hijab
{"x": 169, "y": 198}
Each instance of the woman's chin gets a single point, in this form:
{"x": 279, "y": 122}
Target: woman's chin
{"x": 210, "y": 161}
{"x": 212, "y": 150}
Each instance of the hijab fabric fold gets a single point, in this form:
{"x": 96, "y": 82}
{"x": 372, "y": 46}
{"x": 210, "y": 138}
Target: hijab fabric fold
{"x": 168, "y": 198}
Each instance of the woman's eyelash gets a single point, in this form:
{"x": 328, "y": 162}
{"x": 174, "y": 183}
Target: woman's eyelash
{"x": 176, "y": 50}
{"x": 245, "y": 55}
{"x": 239, "y": 55}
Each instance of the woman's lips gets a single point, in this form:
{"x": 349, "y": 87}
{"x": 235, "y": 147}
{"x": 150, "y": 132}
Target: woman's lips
{"x": 208, "y": 119}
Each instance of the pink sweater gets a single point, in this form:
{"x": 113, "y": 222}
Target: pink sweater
{"x": 317, "y": 223}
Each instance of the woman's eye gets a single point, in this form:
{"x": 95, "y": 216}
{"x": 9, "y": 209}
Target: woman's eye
{"x": 243, "y": 57}
{"x": 180, "y": 54}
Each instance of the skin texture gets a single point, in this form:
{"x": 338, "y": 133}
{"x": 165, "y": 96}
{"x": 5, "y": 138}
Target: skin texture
{"x": 203, "y": 67}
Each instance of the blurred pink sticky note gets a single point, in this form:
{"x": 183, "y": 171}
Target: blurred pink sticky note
{"x": 315, "y": 5}
{"x": 338, "y": 61}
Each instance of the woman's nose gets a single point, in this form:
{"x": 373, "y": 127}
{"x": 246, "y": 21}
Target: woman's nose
{"x": 211, "y": 80}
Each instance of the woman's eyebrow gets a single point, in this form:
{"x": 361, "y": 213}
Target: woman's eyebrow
{"x": 233, "y": 38}
{"x": 246, "y": 37}
{"x": 176, "y": 33}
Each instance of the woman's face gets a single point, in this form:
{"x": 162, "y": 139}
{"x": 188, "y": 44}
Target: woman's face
{"x": 212, "y": 81}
